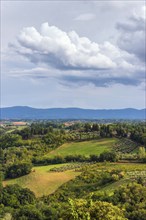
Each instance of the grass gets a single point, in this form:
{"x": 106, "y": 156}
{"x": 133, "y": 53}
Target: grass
{"x": 85, "y": 147}
{"x": 42, "y": 182}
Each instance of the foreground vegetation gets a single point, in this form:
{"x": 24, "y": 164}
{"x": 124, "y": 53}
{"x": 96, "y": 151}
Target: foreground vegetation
{"x": 100, "y": 191}
{"x": 92, "y": 171}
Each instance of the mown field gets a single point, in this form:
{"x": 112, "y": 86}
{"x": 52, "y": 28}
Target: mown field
{"x": 85, "y": 147}
{"x": 43, "y": 182}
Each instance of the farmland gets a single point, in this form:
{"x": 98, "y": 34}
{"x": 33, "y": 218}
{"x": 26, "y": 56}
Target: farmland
{"x": 50, "y": 171}
{"x": 43, "y": 182}
{"x": 85, "y": 147}
{"x": 126, "y": 146}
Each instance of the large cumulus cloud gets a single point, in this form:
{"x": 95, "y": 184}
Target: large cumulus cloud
{"x": 79, "y": 60}
{"x": 63, "y": 50}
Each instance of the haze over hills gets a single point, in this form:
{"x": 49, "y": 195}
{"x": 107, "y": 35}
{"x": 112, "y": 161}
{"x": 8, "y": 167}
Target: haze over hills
{"x": 24, "y": 112}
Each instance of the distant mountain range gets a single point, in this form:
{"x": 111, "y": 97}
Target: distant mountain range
{"x": 24, "y": 112}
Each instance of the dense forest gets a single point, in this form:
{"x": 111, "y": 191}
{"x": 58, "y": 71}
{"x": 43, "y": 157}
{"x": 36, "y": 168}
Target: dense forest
{"x": 35, "y": 145}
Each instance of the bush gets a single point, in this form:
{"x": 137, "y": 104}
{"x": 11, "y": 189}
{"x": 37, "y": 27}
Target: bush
{"x": 15, "y": 196}
{"x": 17, "y": 170}
{"x": 108, "y": 156}
{"x": 76, "y": 158}
{"x": 94, "y": 158}
{"x": 28, "y": 212}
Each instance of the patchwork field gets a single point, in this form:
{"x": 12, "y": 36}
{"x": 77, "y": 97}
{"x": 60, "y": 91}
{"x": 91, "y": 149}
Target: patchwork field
{"x": 41, "y": 181}
{"x": 85, "y": 147}
{"x": 45, "y": 180}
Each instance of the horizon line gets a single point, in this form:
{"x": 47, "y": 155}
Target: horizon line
{"x": 16, "y": 106}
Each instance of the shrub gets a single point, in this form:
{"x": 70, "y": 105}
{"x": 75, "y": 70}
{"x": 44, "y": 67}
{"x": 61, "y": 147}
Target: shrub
{"x": 17, "y": 170}
{"x": 108, "y": 156}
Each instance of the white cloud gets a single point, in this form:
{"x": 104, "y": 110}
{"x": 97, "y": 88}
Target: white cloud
{"x": 86, "y": 17}
{"x": 76, "y": 59}
{"x": 68, "y": 51}
{"x": 62, "y": 50}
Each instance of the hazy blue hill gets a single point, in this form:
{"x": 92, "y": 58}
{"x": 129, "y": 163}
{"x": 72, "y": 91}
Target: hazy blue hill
{"x": 24, "y": 112}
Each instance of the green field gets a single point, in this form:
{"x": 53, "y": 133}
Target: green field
{"x": 85, "y": 147}
{"x": 41, "y": 181}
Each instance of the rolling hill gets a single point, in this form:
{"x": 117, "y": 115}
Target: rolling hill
{"x": 24, "y": 112}
{"x": 85, "y": 148}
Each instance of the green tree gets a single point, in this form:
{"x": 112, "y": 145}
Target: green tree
{"x": 108, "y": 156}
{"x": 141, "y": 153}
{"x": 16, "y": 170}
{"x": 133, "y": 199}
{"x": 82, "y": 209}
{"x": 1, "y": 185}
{"x": 28, "y": 212}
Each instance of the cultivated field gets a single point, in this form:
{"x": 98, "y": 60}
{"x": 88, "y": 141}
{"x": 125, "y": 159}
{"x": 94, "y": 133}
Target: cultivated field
{"x": 85, "y": 147}
{"x": 43, "y": 182}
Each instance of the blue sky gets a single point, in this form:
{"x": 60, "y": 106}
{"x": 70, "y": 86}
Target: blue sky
{"x": 87, "y": 54}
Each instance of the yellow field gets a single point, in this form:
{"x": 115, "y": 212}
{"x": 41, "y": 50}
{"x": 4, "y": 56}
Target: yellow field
{"x": 41, "y": 181}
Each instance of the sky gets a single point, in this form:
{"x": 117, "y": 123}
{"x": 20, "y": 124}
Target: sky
{"x": 86, "y": 54}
